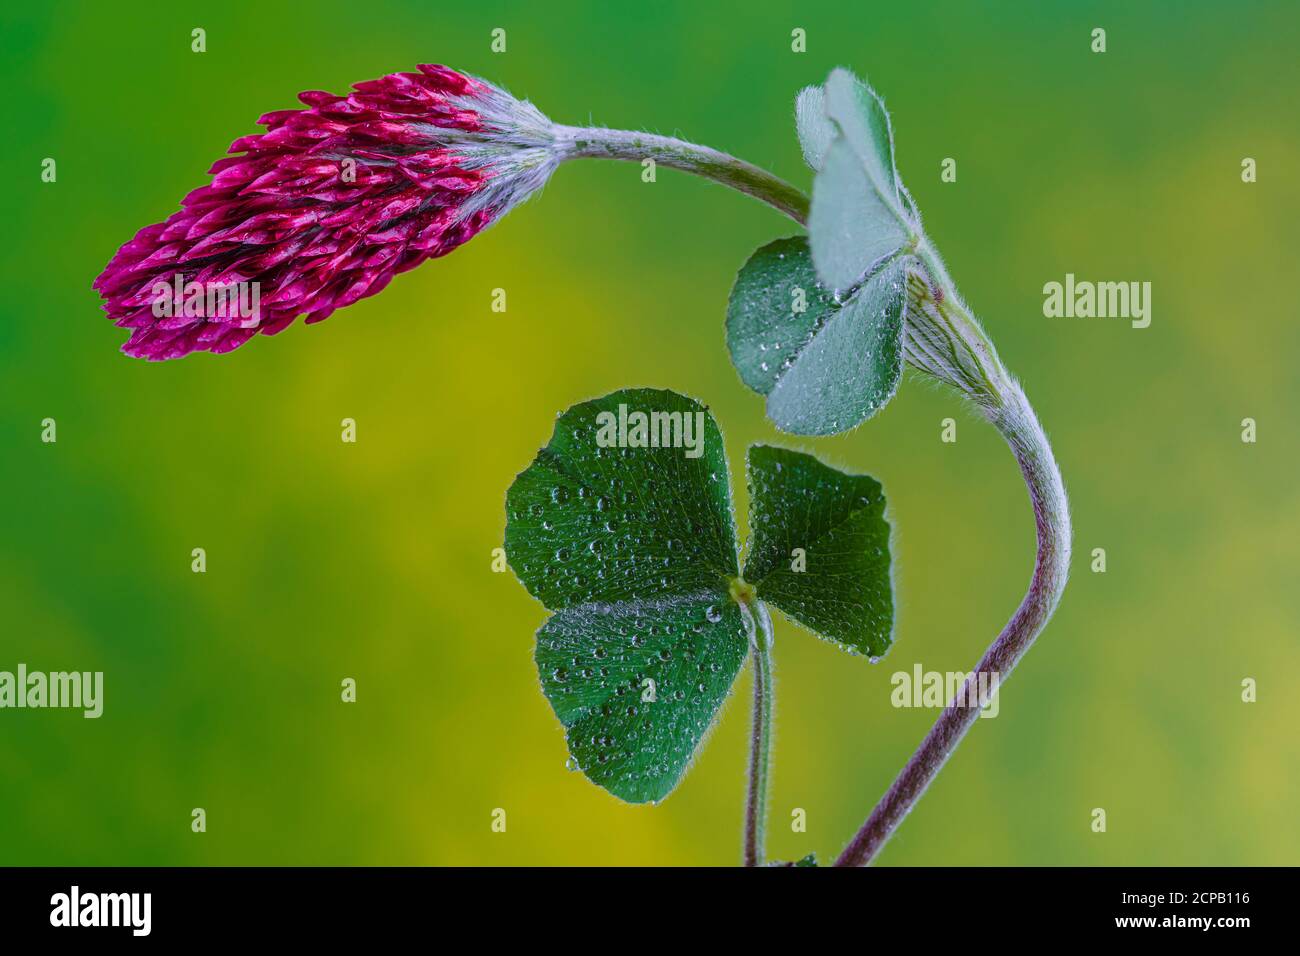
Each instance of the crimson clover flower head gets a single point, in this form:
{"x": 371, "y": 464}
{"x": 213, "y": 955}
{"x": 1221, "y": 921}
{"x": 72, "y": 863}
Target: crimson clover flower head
{"x": 325, "y": 207}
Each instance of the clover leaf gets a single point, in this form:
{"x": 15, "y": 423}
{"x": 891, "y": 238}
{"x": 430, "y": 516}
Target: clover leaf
{"x": 816, "y": 324}
{"x": 622, "y": 527}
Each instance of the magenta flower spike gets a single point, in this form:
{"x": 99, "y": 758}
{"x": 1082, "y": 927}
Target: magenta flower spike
{"x": 325, "y": 207}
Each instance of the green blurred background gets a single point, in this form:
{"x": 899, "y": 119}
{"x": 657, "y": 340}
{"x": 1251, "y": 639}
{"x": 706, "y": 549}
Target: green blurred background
{"x": 328, "y": 560}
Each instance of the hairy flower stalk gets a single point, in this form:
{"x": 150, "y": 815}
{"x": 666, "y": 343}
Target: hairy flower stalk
{"x": 576, "y": 142}
{"x": 325, "y": 207}
{"x": 333, "y": 200}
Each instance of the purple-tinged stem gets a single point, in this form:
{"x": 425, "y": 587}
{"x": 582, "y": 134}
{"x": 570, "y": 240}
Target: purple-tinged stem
{"x": 1019, "y": 426}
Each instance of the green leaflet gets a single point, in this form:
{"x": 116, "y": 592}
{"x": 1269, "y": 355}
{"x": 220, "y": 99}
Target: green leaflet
{"x": 589, "y": 523}
{"x": 638, "y": 686}
{"x": 824, "y": 369}
{"x": 843, "y": 592}
{"x": 633, "y": 548}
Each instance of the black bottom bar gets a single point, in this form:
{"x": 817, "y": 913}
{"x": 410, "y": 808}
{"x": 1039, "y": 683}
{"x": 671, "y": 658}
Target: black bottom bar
{"x": 335, "y": 905}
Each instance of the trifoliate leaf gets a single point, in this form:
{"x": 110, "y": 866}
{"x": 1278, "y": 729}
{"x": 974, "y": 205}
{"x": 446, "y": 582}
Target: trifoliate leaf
{"x": 813, "y": 125}
{"x": 623, "y": 526}
{"x": 850, "y": 226}
{"x": 864, "y": 122}
{"x": 824, "y": 369}
{"x": 819, "y": 548}
{"x": 637, "y": 685}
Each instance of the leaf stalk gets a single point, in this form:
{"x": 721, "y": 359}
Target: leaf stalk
{"x": 759, "y": 624}
{"x": 1019, "y": 426}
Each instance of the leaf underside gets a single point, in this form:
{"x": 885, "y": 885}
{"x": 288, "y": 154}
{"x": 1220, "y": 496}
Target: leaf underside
{"x": 850, "y": 226}
{"x": 862, "y": 119}
{"x": 824, "y": 369}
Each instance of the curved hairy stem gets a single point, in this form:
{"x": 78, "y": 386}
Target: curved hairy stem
{"x": 576, "y": 142}
{"x": 1018, "y": 424}
{"x": 760, "y": 749}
